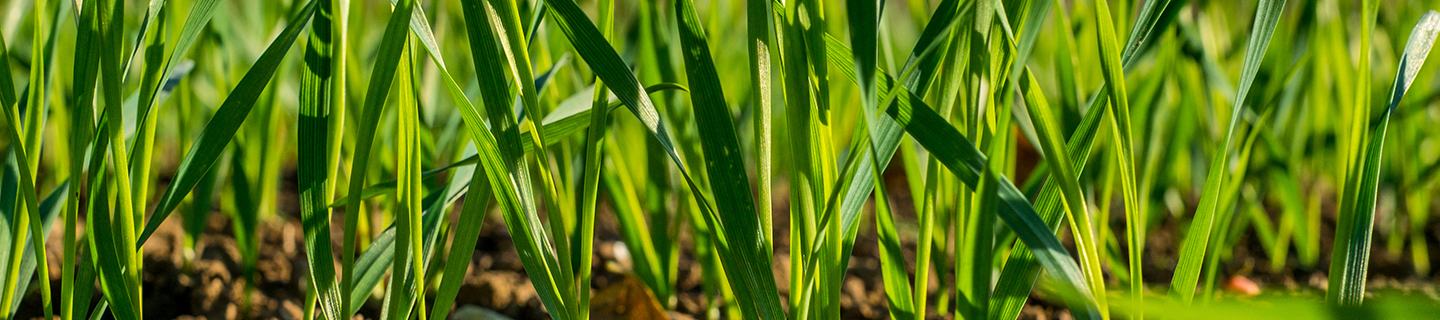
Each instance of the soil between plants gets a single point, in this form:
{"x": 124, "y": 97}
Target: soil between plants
{"x": 210, "y": 282}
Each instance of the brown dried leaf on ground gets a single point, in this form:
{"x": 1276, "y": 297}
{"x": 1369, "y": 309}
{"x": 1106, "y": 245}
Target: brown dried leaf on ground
{"x": 626, "y": 299}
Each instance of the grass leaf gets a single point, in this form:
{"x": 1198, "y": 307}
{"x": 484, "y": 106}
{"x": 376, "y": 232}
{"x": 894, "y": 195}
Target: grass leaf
{"x": 745, "y": 249}
{"x": 315, "y": 166}
{"x": 381, "y": 78}
{"x": 226, "y": 121}
{"x": 1352, "y": 234}
{"x": 1021, "y": 269}
{"x": 965, "y": 161}
{"x": 1192, "y": 254}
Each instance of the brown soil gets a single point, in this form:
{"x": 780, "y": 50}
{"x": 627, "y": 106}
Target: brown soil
{"x": 210, "y": 283}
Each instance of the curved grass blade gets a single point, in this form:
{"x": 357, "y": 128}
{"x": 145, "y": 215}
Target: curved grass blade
{"x": 467, "y": 231}
{"x": 923, "y": 123}
{"x": 104, "y": 246}
{"x": 572, "y": 117}
{"x": 517, "y": 54}
{"x": 502, "y": 157}
{"x": 154, "y": 80}
{"x": 961, "y": 157}
{"x": 601, "y": 57}
{"x": 608, "y": 66}
{"x": 892, "y": 260}
{"x": 1122, "y": 135}
{"x": 35, "y": 102}
{"x": 1352, "y": 234}
{"x": 111, "y": 23}
{"x": 407, "y": 269}
{"x": 30, "y": 221}
{"x": 1056, "y": 155}
{"x": 1192, "y": 254}
{"x": 1021, "y": 269}
{"x": 743, "y": 238}
{"x": 372, "y": 264}
{"x": 381, "y": 78}
{"x": 876, "y": 149}
{"x": 227, "y": 120}
{"x": 81, "y": 124}
{"x": 49, "y": 208}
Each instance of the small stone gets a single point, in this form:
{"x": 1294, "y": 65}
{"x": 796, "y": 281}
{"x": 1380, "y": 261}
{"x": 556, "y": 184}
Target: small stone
{"x": 1242, "y": 286}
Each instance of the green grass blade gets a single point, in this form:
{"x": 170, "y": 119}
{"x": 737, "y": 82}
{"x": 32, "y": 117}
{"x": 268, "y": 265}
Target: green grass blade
{"x": 314, "y": 168}
{"x": 1353, "y": 232}
{"x": 1359, "y": 115}
{"x": 1153, "y": 15}
{"x": 111, "y": 22}
{"x": 474, "y": 208}
{"x": 864, "y": 21}
{"x": 49, "y": 209}
{"x": 26, "y": 152}
{"x": 106, "y": 251}
{"x": 81, "y": 124}
{"x": 407, "y": 269}
{"x": 566, "y": 120}
{"x": 810, "y": 124}
{"x": 156, "y": 74}
{"x": 372, "y": 265}
{"x": 572, "y": 117}
{"x": 608, "y": 66}
{"x": 15, "y": 156}
{"x": 1192, "y": 255}
{"x": 635, "y": 229}
{"x": 521, "y": 72}
{"x": 738, "y": 226}
{"x": 1021, "y": 269}
{"x": 9, "y": 214}
{"x": 381, "y": 78}
{"x": 1056, "y": 155}
{"x": 877, "y": 147}
{"x": 502, "y": 156}
{"x": 86, "y": 275}
{"x": 603, "y": 59}
{"x": 961, "y": 157}
{"x": 472, "y": 219}
{"x": 590, "y": 185}
{"x": 892, "y": 261}
{"x": 760, "y": 33}
{"x": 865, "y": 16}
{"x": 227, "y": 120}
{"x": 7, "y": 85}
{"x": 142, "y": 149}
{"x": 1122, "y": 135}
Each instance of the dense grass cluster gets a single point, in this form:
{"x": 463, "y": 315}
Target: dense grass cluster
{"x": 993, "y": 150}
